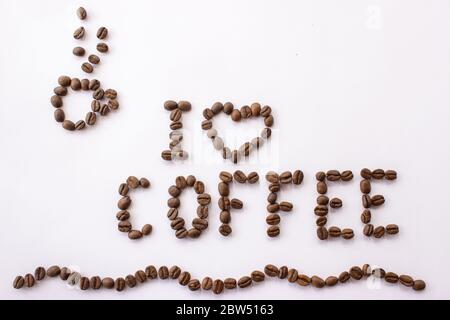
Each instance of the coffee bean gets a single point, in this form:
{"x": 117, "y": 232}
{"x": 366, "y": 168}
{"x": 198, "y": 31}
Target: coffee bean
{"x": 224, "y": 203}
{"x": 322, "y": 187}
{"x": 367, "y": 270}
{"x": 53, "y": 271}
{"x": 102, "y": 32}
{"x": 124, "y": 226}
{"x": 235, "y": 156}
{"x": 64, "y": 81}
{"x": 236, "y": 115}
{"x": 166, "y": 155}
{"x": 368, "y": 230}
{"x": 170, "y": 105}
{"x": 140, "y": 276}
{"x": 230, "y": 283}
{"x": 225, "y": 177}
{"x": 98, "y": 94}
{"x": 211, "y": 133}
{"x": 297, "y": 177}
{"x": 331, "y": 281}
{"x": 246, "y": 112}
{"x": 244, "y": 282}
{"x": 151, "y": 272}
{"x": 286, "y": 206}
{"x": 133, "y": 182}
{"x": 85, "y": 84}
{"x": 239, "y": 176}
{"x": 80, "y": 125}
{"x": 174, "y": 272}
{"x": 113, "y": 104}
{"x": 65, "y": 273}
{"x": 199, "y": 187}
{"x": 322, "y": 200}
{"x": 274, "y": 187}
{"x": 365, "y": 186}
{"x": 285, "y": 177}
{"x": 177, "y": 223}
{"x": 104, "y": 110}
{"x": 91, "y": 118}
{"x": 322, "y": 233}
{"x": 217, "y": 107}
{"x": 107, "y": 283}
{"x": 39, "y": 273}
{"x": 265, "y": 111}
{"x": 173, "y": 203}
{"x": 59, "y": 115}
{"x": 29, "y": 280}
{"x": 366, "y": 201}
{"x": 146, "y": 229}
{"x": 257, "y": 276}
{"x": 60, "y": 91}
{"x": 366, "y": 173}
{"x": 181, "y": 233}
{"x": 390, "y": 175}
{"x": 207, "y": 283}
{"x": 347, "y": 234}
{"x": 94, "y": 59}
{"x": 377, "y": 200}
{"x": 119, "y": 284}
{"x": 218, "y": 286}
{"x": 292, "y": 275}
{"x": 391, "y": 277}
{"x": 335, "y": 203}
{"x": 102, "y": 47}
{"x": 218, "y": 143}
{"x": 273, "y": 219}
{"x": 320, "y": 176}
{"x": 175, "y": 115}
{"x": 68, "y": 125}
{"x": 303, "y": 280}
{"x": 78, "y": 51}
{"x": 225, "y": 230}
{"x": 206, "y": 124}
{"x": 123, "y": 215}
{"x": 344, "y": 277}
{"x": 96, "y": 282}
{"x": 273, "y": 231}
{"x": 79, "y": 33}
{"x": 273, "y": 207}
{"x": 268, "y": 121}
{"x": 200, "y": 224}
{"x": 321, "y": 210}
{"x": 144, "y": 183}
{"x": 202, "y": 212}
{"x": 406, "y": 280}
{"x": 95, "y": 105}
{"x": 419, "y": 285}
{"x": 204, "y": 199}
{"x": 356, "y": 272}
{"x": 378, "y": 174}
{"x": 392, "y": 229}
{"x": 321, "y": 221}
{"x": 334, "y": 232}
{"x": 84, "y": 283}
{"x": 255, "y": 109}
{"x": 228, "y": 108}
{"x": 252, "y": 177}
{"x": 184, "y": 278}
{"x": 236, "y": 204}
{"x": 124, "y": 203}
{"x": 226, "y": 153}
{"x": 18, "y": 282}
{"x": 346, "y": 175}
{"x": 56, "y": 101}
{"x": 225, "y": 217}
{"x": 184, "y": 106}
{"x": 194, "y": 285}
{"x": 333, "y": 175}
{"x": 283, "y": 272}
{"x": 272, "y": 177}
{"x": 317, "y": 282}
{"x": 163, "y": 272}
{"x": 271, "y": 270}
{"x": 272, "y": 197}
{"x": 81, "y": 13}
{"x": 379, "y": 232}
{"x": 88, "y": 68}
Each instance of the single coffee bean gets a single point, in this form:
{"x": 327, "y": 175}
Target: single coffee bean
{"x": 322, "y": 200}
{"x": 272, "y": 177}
{"x": 271, "y": 270}
{"x": 68, "y": 125}
{"x": 317, "y": 282}
{"x": 104, "y": 109}
{"x": 366, "y": 173}
{"x": 331, "y": 281}
{"x": 79, "y": 33}
{"x": 84, "y": 283}
{"x": 144, "y": 183}
{"x": 124, "y": 203}
{"x": 208, "y": 114}
{"x": 346, "y": 175}
{"x": 303, "y": 280}
{"x": 226, "y": 177}
{"x": 273, "y": 219}
{"x": 320, "y": 176}
{"x": 378, "y": 174}
{"x": 123, "y": 215}
{"x": 181, "y": 233}
{"x": 391, "y": 277}
{"x": 274, "y": 187}
{"x": 133, "y": 182}
{"x": 199, "y": 187}
{"x": 59, "y": 115}
{"x": 406, "y": 280}
{"x": 230, "y": 283}
{"x": 239, "y": 176}
{"x": 204, "y": 199}
{"x": 392, "y": 229}
{"x": 273, "y": 231}
{"x": 297, "y": 177}
{"x": 217, "y": 107}
{"x": 366, "y": 216}
{"x": 333, "y": 175}
{"x": 207, "y": 283}
{"x": 29, "y": 280}
{"x": 81, "y": 13}
{"x": 200, "y": 224}
{"x": 218, "y": 286}
{"x": 257, "y": 276}
{"x": 119, "y": 284}
{"x": 366, "y": 201}
{"x": 78, "y": 51}
{"x": 80, "y": 125}
{"x": 335, "y": 203}
{"x": 266, "y": 111}
{"x": 368, "y": 230}
{"x": 228, "y": 107}
{"x": 177, "y": 223}
{"x": 344, "y": 277}
{"x": 96, "y": 282}
{"x": 235, "y": 156}
{"x": 365, "y": 186}
{"x": 173, "y": 202}
{"x": 102, "y": 32}
{"x": 419, "y": 285}
{"x": 244, "y": 282}
{"x": 124, "y": 226}
{"x": 193, "y": 233}
{"x": 286, "y": 206}
{"x": 377, "y": 200}
{"x": 356, "y": 272}
{"x": 347, "y": 234}
{"x": 367, "y": 270}
{"x": 224, "y": 203}
{"x": 322, "y": 233}
{"x": 246, "y": 112}
{"x": 322, "y": 187}
{"x": 236, "y": 204}
{"x": 334, "y": 232}
{"x": 225, "y": 216}
{"x": 272, "y": 197}
{"x": 174, "y": 191}
{"x": 65, "y": 273}
{"x": 283, "y": 272}
{"x": 218, "y": 143}
{"x": 257, "y": 142}
{"x": 60, "y": 91}
{"x": 98, "y": 94}
{"x": 64, "y": 81}
{"x": 236, "y": 115}
{"x": 268, "y": 121}
{"x": 18, "y": 282}
{"x": 170, "y": 105}
{"x": 108, "y": 283}
{"x": 292, "y": 275}
{"x": 53, "y": 271}
{"x": 321, "y": 221}
{"x": 87, "y": 67}
{"x": 390, "y": 175}
{"x": 225, "y": 230}
{"x": 202, "y": 212}
{"x": 175, "y": 115}
{"x": 378, "y": 273}
{"x": 102, "y": 47}
{"x": 194, "y": 285}
{"x": 285, "y": 177}
{"x": 184, "y": 106}
{"x": 163, "y": 272}
{"x": 146, "y": 229}
{"x": 321, "y": 210}
{"x": 253, "y": 177}
{"x": 166, "y": 155}
{"x": 56, "y": 101}
{"x": 91, "y": 118}
{"x": 206, "y": 124}
{"x": 211, "y": 133}
{"x": 184, "y": 278}
{"x": 94, "y": 59}
{"x": 379, "y": 232}
{"x": 273, "y": 207}
{"x": 39, "y": 273}
{"x": 95, "y": 106}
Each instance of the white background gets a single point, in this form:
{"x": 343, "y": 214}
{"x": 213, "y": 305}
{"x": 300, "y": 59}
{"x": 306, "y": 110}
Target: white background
{"x": 352, "y": 84}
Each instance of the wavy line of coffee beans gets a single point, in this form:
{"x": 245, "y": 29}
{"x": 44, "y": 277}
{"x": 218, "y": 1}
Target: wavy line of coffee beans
{"x": 217, "y": 286}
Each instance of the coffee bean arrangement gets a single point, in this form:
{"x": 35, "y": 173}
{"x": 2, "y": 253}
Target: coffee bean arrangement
{"x": 177, "y": 223}
{"x": 176, "y": 136}
{"x": 368, "y": 202}
{"x": 124, "y": 204}
{"x": 324, "y": 204}
{"x": 236, "y": 114}
{"x": 216, "y": 286}
{"x": 273, "y": 207}
{"x": 225, "y": 204}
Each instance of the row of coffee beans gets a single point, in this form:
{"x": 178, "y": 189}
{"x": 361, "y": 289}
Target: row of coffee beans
{"x": 374, "y": 201}
{"x": 217, "y": 286}
{"x": 177, "y": 223}
{"x": 323, "y": 204}
{"x": 273, "y": 207}
{"x": 102, "y": 47}
{"x": 244, "y": 112}
{"x": 124, "y": 204}
{"x": 225, "y": 204}
{"x": 176, "y": 136}
{"x": 104, "y": 101}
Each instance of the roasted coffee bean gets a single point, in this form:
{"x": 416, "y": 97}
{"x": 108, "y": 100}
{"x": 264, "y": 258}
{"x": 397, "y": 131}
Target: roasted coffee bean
{"x": 146, "y": 229}
{"x": 392, "y": 229}
{"x": 64, "y": 81}
{"x": 96, "y": 282}
{"x": 390, "y": 175}
{"x": 199, "y": 187}
{"x": 218, "y": 286}
{"x": 151, "y": 272}
{"x": 200, "y": 224}
{"x": 367, "y": 270}
{"x": 123, "y": 215}
{"x": 174, "y": 272}
{"x": 271, "y": 270}
{"x": 194, "y": 285}
{"x": 366, "y": 173}
{"x": 235, "y": 156}
{"x": 346, "y": 175}
{"x": 224, "y": 189}
{"x": 230, "y": 283}
{"x": 68, "y": 125}
{"x": 173, "y": 203}
{"x": 228, "y": 108}
{"x": 166, "y": 155}
{"x": 206, "y": 124}
{"x": 95, "y": 105}
{"x": 102, "y": 47}
{"x": 60, "y": 91}
{"x": 133, "y": 182}
{"x": 236, "y": 115}
{"x": 163, "y": 272}
{"x": 286, "y": 206}
{"x": 272, "y": 177}
{"x": 320, "y": 176}
{"x": 18, "y": 283}
{"x": 80, "y": 125}
{"x": 334, "y": 232}
{"x": 181, "y": 233}
{"x": 65, "y": 273}
{"x": 208, "y": 114}
{"x": 257, "y": 276}
{"x": 377, "y": 200}
{"x": 335, "y": 203}
{"x": 322, "y": 200}
{"x": 356, "y": 272}
{"x": 217, "y": 107}
{"x": 239, "y": 176}
{"x": 88, "y": 68}
{"x": 366, "y": 216}
{"x": 321, "y": 221}
{"x": 331, "y": 281}
{"x": 273, "y": 231}
{"x": 297, "y": 177}
{"x": 91, "y": 118}
{"x": 224, "y": 203}
{"x": 184, "y": 106}
{"x": 391, "y": 277}
{"x": 204, "y": 199}
{"x": 347, "y": 233}
{"x": 246, "y": 112}
{"x": 124, "y": 226}
{"x": 322, "y": 233}
{"x": 140, "y": 276}
{"x": 84, "y": 283}
{"x": 272, "y": 197}
{"x": 379, "y": 232}
{"x": 175, "y": 115}
{"x": 193, "y": 233}
{"x": 273, "y": 207}
{"x": 108, "y": 283}
{"x": 333, "y": 175}
{"x": 366, "y": 201}
{"x": 285, "y": 177}
{"x": 283, "y": 272}
{"x": 303, "y": 280}
{"x": 274, "y": 187}
{"x": 317, "y": 282}
{"x": 365, "y": 186}
{"x": 255, "y": 109}
{"x": 53, "y": 271}
{"x": 29, "y": 280}
{"x": 322, "y": 187}
{"x": 419, "y": 285}
{"x": 81, "y": 13}
{"x": 184, "y": 278}
{"x": 344, "y": 277}
{"x": 98, "y": 94}
{"x": 226, "y": 177}
{"x": 406, "y": 280}
{"x": 292, "y": 275}
{"x": 266, "y": 111}
{"x": 144, "y": 183}
{"x": 245, "y": 149}
{"x": 94, "y": 84}
{"x": 59, "y": 115}
{"x": 225, "y": 216}
{"x": 268, "y": 121}
{"x": 225, "y": 230}
{"x": 102, "y": 32}
{"x": 39, "y": 273}
{"x": 94, "y": 59}
{"x": 113, "y": 104}
{"x": 119, "y": 284}
{"x": 104, "y": 110}
{"x": 273, "y": 219}
{"x": 124, "y": 203}
{"x": 378, "y": 174}
{"x": 170, "y": 105}
{"x": 236, "y": 204}
{"x": 252, "y": 177}
{"x": 202, "y": 212}
{"x": 207, "y": 283}
{"x": 79, "y": 33}
{"x": 56, "y": 101}
{"x": 174, "y": 191}
{"x": 244, "y": 282}
{"x": 368, "y": 230}
{"x": 177, "y": 223}
{"x": 321, "y": 210}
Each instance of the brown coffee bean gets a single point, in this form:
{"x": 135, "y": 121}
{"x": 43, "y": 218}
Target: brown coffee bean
{"x": 271, "y": 270}
{"x": 204, "y": 199}
{"x": 236, "y": 204}
{"x": 177, "y": 223}
{"x": 245, "y": 149}
{"x": 255, "y": 109}
{"x": 297, "y": 177}
{"x": 18, "y": 282}
{"x": 130, "y": 281}
{"x": 119, "y": 284}
{"x": 419, "y": 285}
{"x": 60, "y": 91}
{"x": 356, "y": 272}
{"x": 218, "y": 286}
{"x": 124, "y": 203}
{"x": 230, "y": 283}
{"x": 175, "y": 115}
{"x": 378, "y": 174}
{"x": 144, "y": 183}
{"x": 56, "y": 101}
{"x": 321, "y": 221}
{"x": 333, "y": 175}
{"x": 365, "y": 186}
{"x": 200, "y": 224}
{"x": 146, "y": 229}
{"x": 102, "y": 47}
{"x": 377, "y": 200}
{"x": 64, "y": 81}
{"x": 123, "y": 215}
{"x": 206, "y": 124}
{"x": 272, "y": 197}
{"x": 347, "y": 234}
{"x": 286, "y": 206}
{"x": 199, "y": 187}
{"x": 239, "y": 176}
{"x": 98, "y": 94}
{"x": 273, "y": 219}
{"x": 170, "y": 105}
{"x": 84, "y": 283}
{"x": 174, "y": 191}
{"x": 253, "y": 177}
{"x": 322, "y": 200}
{"x": 283, "y": 272}
{"x": 88, "y": 68}
{"x": 181, "y": 233}
{"x": 94, "y": 59}
{"x": 392, "y": 229}
{"x": 194, "y": 285}
{"x": 107, "y": 283}
{"x": 79, "y": 33}
{"x": 39, "y": 273}
{"x": 102, "y": 32}
{"x": 321, "y": 210}
{"x": 320, "y": 176}
{"x": 335, "y": 203}
{"x": 59, "y": 115}
{"x": 113, "y": 104}
{"x": 334, "y": 232}
{"x": 367, "y": 270}
{"x": 226, "y": 177}
{"x": 91, "y": 118}
{"x": 273, "y": 207}
{"x": 246, "y": 112}
{"x": 104, "y": 110}
{"x": 174, "y": 272}
{"x": 346, "y": 175}
{"x": 173, "y": 203}
{"x": 217, "y": 107}
{"x": 317, "y": 282}
{"x": 184, "y": 278}
{"x": 266, "y": 111}
{"x": 366, "y": 216}
{"x": 225, "y": 217}
{"x": 140, "y": 276}
{"x": 257, "y": 276}
{"x": 366, "y": 201}
{"x": 29, "y": 280}
{"x": 202, "y": 212}
{"x": 224, "y": 189}
{"x": 235, "y": 156}
{"x": 80, "y": 125}
{"x": 379, "y": 232}
{"x": 285, "y": 177}
{"x": 268, "y": 121}
{"x": 331, "y": 281}
{"x": 322, "y": 233}
{"x": 225, "y": 230}
{"x": 184, "y": 106}
{"x": 236, "y": 115}
{"x": 303, "y": 280}
{"x": 391, "y": 277}
{"x": 273, "y": 231}
{"x": 163, "y": 272}
{"x": 68, "y": 125}
{"x": 65, "y": 273}
{"x": 368, "y": 230}
{"x": 166, "y": 155}
{"x": 322, "y": 187}
{"x": 390, "y": 175}
{"x": 96, "y": 282}
{"x": 207, "y": 283}
{"x": 228, "y": 107}
{"x": 292, "y": 275}
{"x": 124, "y": 226}
{"x": 274, "y": 187}
{"x": 95, "y": 106}
{"x": 151, "y": 272}
{"x": 272, "y": 177}
{"x": 344, "y": 277}
{"x": 366, "y": 173}
{"x": 81, "y": 13}
{"x": 133, "y": 182}
{"x": 406, "y": 280}
{"x": 53, "y": 271}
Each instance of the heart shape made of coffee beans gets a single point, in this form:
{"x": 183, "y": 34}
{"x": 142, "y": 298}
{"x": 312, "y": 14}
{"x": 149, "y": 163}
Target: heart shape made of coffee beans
{"x": 245, "y": 112}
